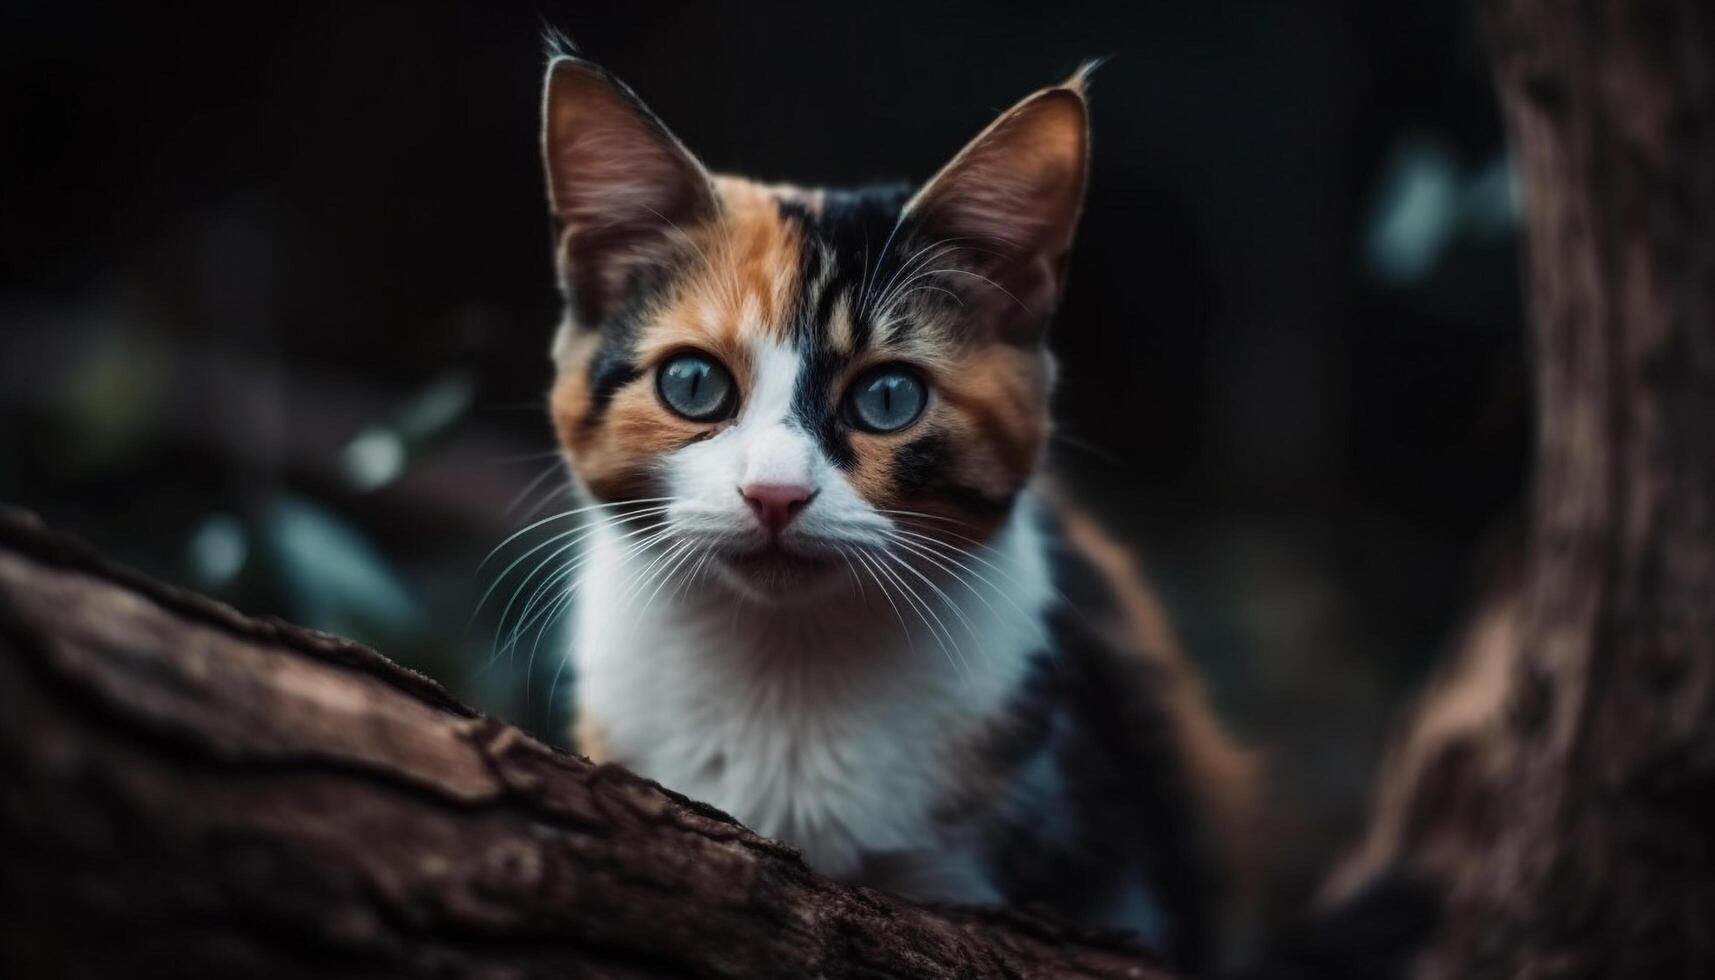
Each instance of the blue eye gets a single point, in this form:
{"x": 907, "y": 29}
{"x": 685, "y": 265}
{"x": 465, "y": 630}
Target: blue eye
{"x": 887, "y": 400}
{"x": 696, "y": 386}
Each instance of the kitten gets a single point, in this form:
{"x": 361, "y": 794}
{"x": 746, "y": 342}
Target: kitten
{"x": 823, "y": 589}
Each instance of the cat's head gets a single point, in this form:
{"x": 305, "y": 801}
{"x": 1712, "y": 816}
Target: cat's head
{"x": 798, "y": 375}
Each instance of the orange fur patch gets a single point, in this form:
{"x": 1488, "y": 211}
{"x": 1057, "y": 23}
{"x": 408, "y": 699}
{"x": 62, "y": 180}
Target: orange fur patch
{"x": 1002, "y": 392}
{"x": 737, "y": 291}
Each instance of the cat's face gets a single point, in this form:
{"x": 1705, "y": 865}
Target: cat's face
{"x": 801, "y": 377}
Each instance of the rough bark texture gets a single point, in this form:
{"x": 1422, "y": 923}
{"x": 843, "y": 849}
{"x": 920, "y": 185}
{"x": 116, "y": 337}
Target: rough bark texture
{"x": 188, "y": 792}
{"x": 1560, "y": 783}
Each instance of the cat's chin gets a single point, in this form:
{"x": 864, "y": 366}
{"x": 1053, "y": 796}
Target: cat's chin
{"x": 777, "y": 576}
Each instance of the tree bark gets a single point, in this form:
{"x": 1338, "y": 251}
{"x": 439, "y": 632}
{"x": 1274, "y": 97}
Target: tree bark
{"x": 1559, "y": 783}
{"x": 188, "y": 792}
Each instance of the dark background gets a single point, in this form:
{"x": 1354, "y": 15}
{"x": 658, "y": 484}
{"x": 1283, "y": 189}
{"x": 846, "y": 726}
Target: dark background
{"x": 275, "y": 301}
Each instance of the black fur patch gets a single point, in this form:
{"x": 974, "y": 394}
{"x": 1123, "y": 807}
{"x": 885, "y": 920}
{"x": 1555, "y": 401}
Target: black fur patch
{"x": 1122, "y": 811}
{"x": 615, "y": 362}
{"x": 1030, "y": 715}
{"x": 861, "y": 229}
{"x": 816, "y": 405}
{"x": 846, "y": 246}
{"x": 611, "y": 369}
{"x": 918, "y": 465}
{"x": 920, "y": 471}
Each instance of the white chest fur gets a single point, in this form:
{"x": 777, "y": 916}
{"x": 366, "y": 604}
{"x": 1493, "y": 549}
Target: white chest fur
{"x": 832, "y": 728}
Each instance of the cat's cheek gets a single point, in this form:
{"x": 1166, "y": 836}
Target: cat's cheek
{"x": 900, "y": 471}
{"x": 993, "y": 459}
{"x": 946, "y": 470}
{"x": 569, "y": 401}
{"x": 616, "y": 453}
{"x": 997, "y": 401}
{"x": 872, "y": 476}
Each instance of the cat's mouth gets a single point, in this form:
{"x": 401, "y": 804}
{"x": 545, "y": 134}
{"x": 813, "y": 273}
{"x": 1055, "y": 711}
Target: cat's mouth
{"x": 776, "y": 569}
{"x": 775, "y": 556}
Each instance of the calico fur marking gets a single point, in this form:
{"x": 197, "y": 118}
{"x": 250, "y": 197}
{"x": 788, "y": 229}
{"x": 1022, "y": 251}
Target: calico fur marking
{"x": 889, "y": 677}
{"x": 750, "y": 278}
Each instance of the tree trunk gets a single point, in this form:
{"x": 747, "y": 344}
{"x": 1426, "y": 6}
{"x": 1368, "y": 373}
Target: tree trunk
{"x": 1559, "y": 784}
{"x": 188, "y": 792}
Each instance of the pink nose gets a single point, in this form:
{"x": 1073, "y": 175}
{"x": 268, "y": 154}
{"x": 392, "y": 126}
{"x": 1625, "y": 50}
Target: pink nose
{"x": 775, "y": 504}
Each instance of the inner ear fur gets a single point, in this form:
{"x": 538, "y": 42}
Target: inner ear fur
{"x": 1006, "y": 208}
{"x": 624, "y": 192}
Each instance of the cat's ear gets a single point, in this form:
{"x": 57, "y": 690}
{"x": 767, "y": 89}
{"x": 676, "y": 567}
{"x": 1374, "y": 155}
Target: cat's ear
{"x": 1007, "y": 207}
{"x": 624, "y": 192}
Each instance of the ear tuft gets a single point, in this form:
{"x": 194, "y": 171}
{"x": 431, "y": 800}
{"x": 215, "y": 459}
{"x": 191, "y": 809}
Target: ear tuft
{"x": 1079, "y": 81}
{"x": 557, "y": 43}
{"x": 622, "y": 188}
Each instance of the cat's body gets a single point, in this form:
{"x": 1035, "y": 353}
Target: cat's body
{"x": 821, "y": 589}
{"x": 833, "y": 728}
{"x": 1066, "y": 759}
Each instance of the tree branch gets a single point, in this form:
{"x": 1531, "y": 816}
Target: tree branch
{"x": 190, "y": 792}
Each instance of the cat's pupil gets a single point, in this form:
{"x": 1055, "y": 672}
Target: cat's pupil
{"x": 888, "y": 400}
{"x": 696, "y": 387}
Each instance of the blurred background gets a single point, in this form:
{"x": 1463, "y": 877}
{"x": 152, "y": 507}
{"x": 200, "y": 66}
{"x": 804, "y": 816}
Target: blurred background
{"x": 275, "y": 304}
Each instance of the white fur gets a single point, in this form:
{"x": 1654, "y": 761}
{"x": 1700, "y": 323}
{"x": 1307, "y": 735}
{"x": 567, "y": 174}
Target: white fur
{"x": 830, "y": 722}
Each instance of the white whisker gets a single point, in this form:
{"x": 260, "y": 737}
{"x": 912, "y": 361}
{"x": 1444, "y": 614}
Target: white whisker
{"x": 577, "y": 535}
{"x": 562, "y": 516}
{"x": 952, "y": 566}
{"x": 918, "y": 606}
{"x": 951, "y": 605}
{"x": 529, "y": 489}
{"x": 904, "y": 629}
{"x": 924, "y": 255}
{"x": 554, "y": 579}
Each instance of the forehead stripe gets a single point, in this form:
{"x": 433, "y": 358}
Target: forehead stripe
{"x": 840, "y": 242}
{"x": 816, "y": 405}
